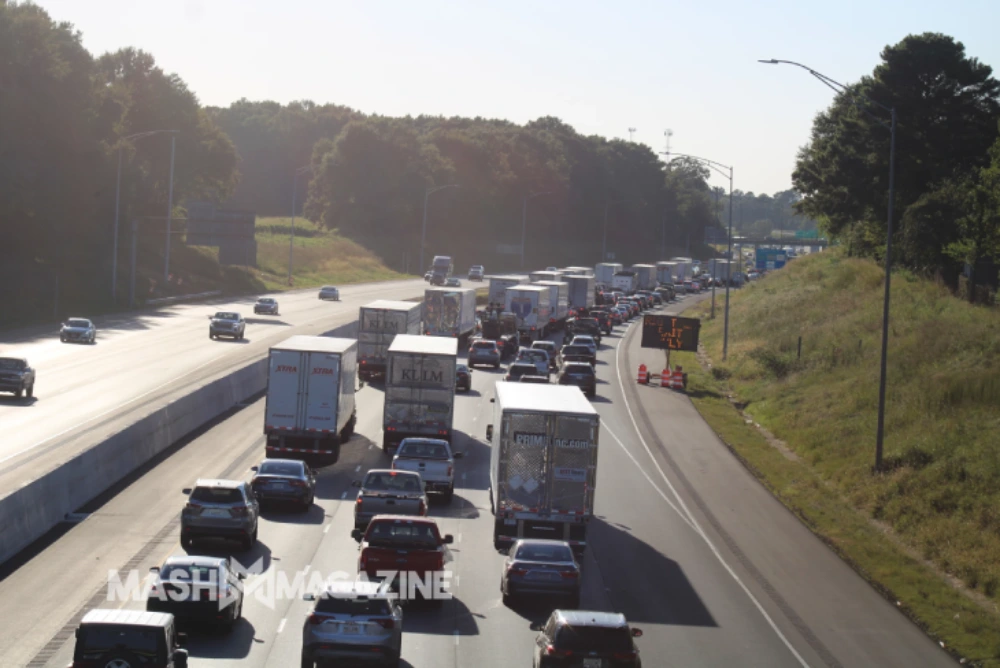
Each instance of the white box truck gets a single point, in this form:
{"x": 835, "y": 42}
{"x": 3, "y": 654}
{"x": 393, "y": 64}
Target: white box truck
{"x": 378, "y": 324}
{"x": 645, "y": 276}
{"x": 536, "y": 276}
{"x": 683, "y": 272}
{"x": 531, "y": 307}
{"x": 499, "y": 285}
{"x": 450, "y": 312}
{"x": 559, "y": 301}
{"x": 543, "y": 463}
{"x": 605, "y": 272}
{"x": 419, "y": 389}
{"x": 581, "y": 271}
{"x": 309, "y": 409}
{"x": 624, "y": 281}
{"x": 581, "y": 292}
{"x": 666, "y": 272}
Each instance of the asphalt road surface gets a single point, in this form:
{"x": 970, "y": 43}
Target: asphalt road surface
{"x": 686, "y": 543}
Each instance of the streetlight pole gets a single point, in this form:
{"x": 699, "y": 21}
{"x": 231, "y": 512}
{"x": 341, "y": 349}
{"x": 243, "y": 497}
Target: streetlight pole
{"x": 727, "y": 171}
{"x": 423, "y": 234}
{"x": 118, "y": 188}
{"x": 291, "y": 239}
{"x": 170, "y": 206}
{"x": 891, "y": 127}
{"x": 524, "y": 219}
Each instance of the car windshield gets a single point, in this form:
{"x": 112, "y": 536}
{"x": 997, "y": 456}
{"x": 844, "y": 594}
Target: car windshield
{"x": 265, "y": 300}
{"x": 190, "y": 573}
{"x": 575, "y": 350}
{"x": 293, "y": 469}
{"x": 528, "y": 378}
{"x": 462, "y": 368}
{"x": 579, "y": 370}
{"x": 101, "y": 638}
{"x": 484, "y": 345}
{"x": 423, "y": 449}
{"x": 329, "y": 287}
{"x": 217, "y": 495}
{"x": 518, "y": 370}
{"x": 581, "y": 341}
{"x": 227, "y": 316}
{"x": 535, "y": 355}
{"x": 350, "y": 604}
{"x": 592, "y": 322}
{"x": 9, "y": 364}
{"x": 542, "y": 552}
{"x": 593, "y": 639}
{"x": 77, "y": 322}
{"x": 392, "y": 481}
{"x": 543, "y": 345}
{"x": 419, "y": 533}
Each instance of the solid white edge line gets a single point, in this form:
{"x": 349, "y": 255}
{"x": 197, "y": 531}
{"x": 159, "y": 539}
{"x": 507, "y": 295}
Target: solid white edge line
{"x": 343, "y": 495}
{"x": 326, "y": 529}
{"x": 281, "y": 625}
{"x": 456, "y": 637}
{"x": 697, "y": 526}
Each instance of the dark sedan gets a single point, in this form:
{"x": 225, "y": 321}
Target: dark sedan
{"x": 485, "y": 352}
{"x": 518, "y": 369}
{"x": 463, "y": 378}
{"x": 284, "y": 480}
{"x": 580, "y": 374}
{"x": 576, "y": 354}
{"x": 266, "y": 305}
{"x": 541, "y": 567}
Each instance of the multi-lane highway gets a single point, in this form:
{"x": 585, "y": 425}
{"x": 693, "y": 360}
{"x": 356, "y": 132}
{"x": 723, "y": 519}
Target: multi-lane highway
{"x": 85, "y": 391}
{"x": 686, "y": 543}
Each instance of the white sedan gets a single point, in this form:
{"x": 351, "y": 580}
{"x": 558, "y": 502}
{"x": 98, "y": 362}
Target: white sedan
{"x": 329, "y": 292}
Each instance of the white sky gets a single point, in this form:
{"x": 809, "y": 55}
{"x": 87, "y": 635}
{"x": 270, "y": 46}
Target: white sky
{"x": 602, "y": 67}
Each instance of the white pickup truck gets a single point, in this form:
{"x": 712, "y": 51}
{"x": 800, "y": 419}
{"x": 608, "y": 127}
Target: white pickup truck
{"x": 433, "y": 459}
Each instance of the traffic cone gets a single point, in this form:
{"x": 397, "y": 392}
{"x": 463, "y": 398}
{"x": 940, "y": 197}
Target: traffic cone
{"x": 643, "y": 375}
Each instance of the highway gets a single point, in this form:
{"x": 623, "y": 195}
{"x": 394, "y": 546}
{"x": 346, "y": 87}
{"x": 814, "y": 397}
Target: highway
{"x": 686, "y": 543}
{"x": 84, "y": 392}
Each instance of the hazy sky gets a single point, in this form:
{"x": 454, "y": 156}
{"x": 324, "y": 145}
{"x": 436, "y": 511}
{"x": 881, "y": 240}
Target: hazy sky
{"x": 602, "y": 67}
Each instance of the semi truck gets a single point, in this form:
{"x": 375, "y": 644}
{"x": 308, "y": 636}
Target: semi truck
{"x": 559, "y": 300}
{"x": 581, "y": 292}
{"x": 309, "y": 409}
{"x": 683, "y": 271}
{"x": 665, "y": 272}
{"x": 450, "y": 312}
{"x": 531, "y": 307}
{"x": 419, "y": 389}
{"x": 624, "y": 281}
{"x": 605, "y": 272}
{"x": 645, "y": 276}
{"x": 441, "y": 269}
{"x": 543, "y": 463}
{"x": 499, "y": 285}
{"x": 546, "y": 275}
{"x": 378, "y": 324}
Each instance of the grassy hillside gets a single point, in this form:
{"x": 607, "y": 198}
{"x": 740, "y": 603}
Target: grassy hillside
{"x": 939, "y": 495}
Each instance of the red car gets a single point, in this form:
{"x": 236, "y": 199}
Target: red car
{"x": 394, "y": 544}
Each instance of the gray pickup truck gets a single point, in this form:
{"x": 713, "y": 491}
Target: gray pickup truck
{"x": 389, "y": 492}
{"x": 433, "y": 459}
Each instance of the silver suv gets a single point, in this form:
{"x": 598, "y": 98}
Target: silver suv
{"x": 220, "y": 509}
{"x": 354, "y": 621}
{"x": 227, "y": 323}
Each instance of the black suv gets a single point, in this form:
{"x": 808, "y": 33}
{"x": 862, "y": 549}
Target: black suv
{"x": 601, "y": 638}
{"x": 16, "y": 376}
{"x": 580, "y": 374}
{"x": 128, "y": 639}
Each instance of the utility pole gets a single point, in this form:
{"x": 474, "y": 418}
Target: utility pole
{"x": 170, "y": 206}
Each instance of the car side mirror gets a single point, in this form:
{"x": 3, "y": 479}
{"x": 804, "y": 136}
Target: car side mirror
{"x": 636, "y": 633}
{"x": 458, "y": 455}
{"x": 489, "y": 433}
{"x": 355, "y": 483}
{"x": 535, "y": 626}
{"x": 154, "y": 569}
{"x": 309, "y": 597}
{"x": 357, "y": 535}
{"x": 448, "y": 539}
{"x": 493, "y": 400}
{"x": 254, "y": 468}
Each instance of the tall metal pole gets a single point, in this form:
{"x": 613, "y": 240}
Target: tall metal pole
{"x": 885, "y": 305}
{"x": 170, "y": 206}
{"x": 114, "y": 254}
{"x": 524, "y": 226}
{"x": 725, "y": 336}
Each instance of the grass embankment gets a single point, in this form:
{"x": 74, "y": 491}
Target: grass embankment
{"x": 926, "y": 531}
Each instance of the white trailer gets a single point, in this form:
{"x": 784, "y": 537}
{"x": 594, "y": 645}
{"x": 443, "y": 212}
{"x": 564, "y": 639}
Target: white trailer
{"x": 499, "y": 285}
{"x": 624, "y": 281}
{"x": 683, "y": 268}
{"x": 645, "y": 276}
{"x": 531, "y": 307}
{"x": 450, "y": 312}
{"x": 536, "y": 276}
{"x": 666, "y": 272}
{"x": 543, "y": 463}
{"x": 558, "y": 300}
{"x": 419, "y": 389}
{"x": 378, "y": 324}
{"x": 581, "y": 271}
{"x": 581, "y": 292}
{"x": 605, "y": 272}
{"x": 309, "y": 408}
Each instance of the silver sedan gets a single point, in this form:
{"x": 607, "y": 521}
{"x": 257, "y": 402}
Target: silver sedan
{"x": 541, "y": 567}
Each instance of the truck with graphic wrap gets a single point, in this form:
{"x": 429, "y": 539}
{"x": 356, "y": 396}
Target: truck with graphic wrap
{"x": 559, "y": 301}
{"x": 419, "y": 389}
{"x": 378, "y": 324}
{"x": 531, "y": 307}
{"x": 309, "y": 409}
{"x": 543, "y": 463}
{"x": 450, "y": 312}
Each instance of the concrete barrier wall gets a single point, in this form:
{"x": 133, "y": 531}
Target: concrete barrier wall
{"x": 30, "y": 512}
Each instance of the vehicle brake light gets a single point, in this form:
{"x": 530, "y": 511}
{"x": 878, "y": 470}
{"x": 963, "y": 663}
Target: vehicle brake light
{"x": 569, "y": 574}
{"x": 192, "y": 506}
{"x": 315, "y": 619}
{"x": 360, "y": 499}
{"x": 449, "y": 471}
{"x": 239, "y": 511}
{"x": 298, "y": 483}
{"x": 518, "y": 571}
{"x": 551, "y": 650}
{"x": 386, "y": 623}
{"x": 422, "y": 509}
{"x": 392, "y": 473}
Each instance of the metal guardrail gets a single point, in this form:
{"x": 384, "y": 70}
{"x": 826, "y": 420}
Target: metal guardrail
{"x": 179, "y": 298}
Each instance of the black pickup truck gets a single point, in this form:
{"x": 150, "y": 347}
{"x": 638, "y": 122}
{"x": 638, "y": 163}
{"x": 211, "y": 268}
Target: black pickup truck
{"x": 16, "y": 376}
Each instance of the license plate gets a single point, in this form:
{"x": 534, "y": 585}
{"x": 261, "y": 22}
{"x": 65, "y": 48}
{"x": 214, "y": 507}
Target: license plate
{"x": 542, "y": 575}
{"x": 216, "y": 512}
{"x": 593, "y": 663}
{"x": 354, "y": 629}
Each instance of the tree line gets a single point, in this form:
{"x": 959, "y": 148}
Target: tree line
{"x": 946, "y": 216}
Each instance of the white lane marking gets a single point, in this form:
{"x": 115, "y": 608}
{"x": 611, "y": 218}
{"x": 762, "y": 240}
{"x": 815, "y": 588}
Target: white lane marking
{"x": 456, "y": 637}
{"x": 343, "y": 495}
{"x": 357, "y": 468}
{"x": 694, "y": 522}
{"x": 326, "y": 529}
{"x": 371, "y": 445}
{"x": 281, "y": 625}
{"x": 459, "y": 538}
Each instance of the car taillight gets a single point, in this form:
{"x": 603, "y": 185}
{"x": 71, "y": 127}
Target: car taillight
{"x": 439, "y": 566}
{"x": 298, "y": 483}
{"x": 386, "y": 623}
{"x": 239, "y": 511}
{"x": 360, "y": 499}
{"x": 192, "y": 506}
{"x": 625, "y": 655}
{"x": 518, "y": 571}
{"x": 363, "y": 563}
{"x": 552, "y": 650}
{"x": 570, "y": 574}
{"x": 449, "y": 471}
{"x": 422, "y": 508}
{"x": 315, "y": 619}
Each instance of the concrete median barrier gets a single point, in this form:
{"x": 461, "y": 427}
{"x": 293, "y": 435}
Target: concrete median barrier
{"x": 38, "y": 506}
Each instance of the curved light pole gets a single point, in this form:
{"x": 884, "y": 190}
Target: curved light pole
{"x": 727, "y": 171}
{"x": 423, "y": 234}
{"x": 524, "y": 219}
{"x": 118, "y": 187}
{"x": 891, "y": 127}
{"x": 291, "y": 239}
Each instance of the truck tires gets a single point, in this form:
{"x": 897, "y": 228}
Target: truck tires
{"x": 450, "y": 492}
